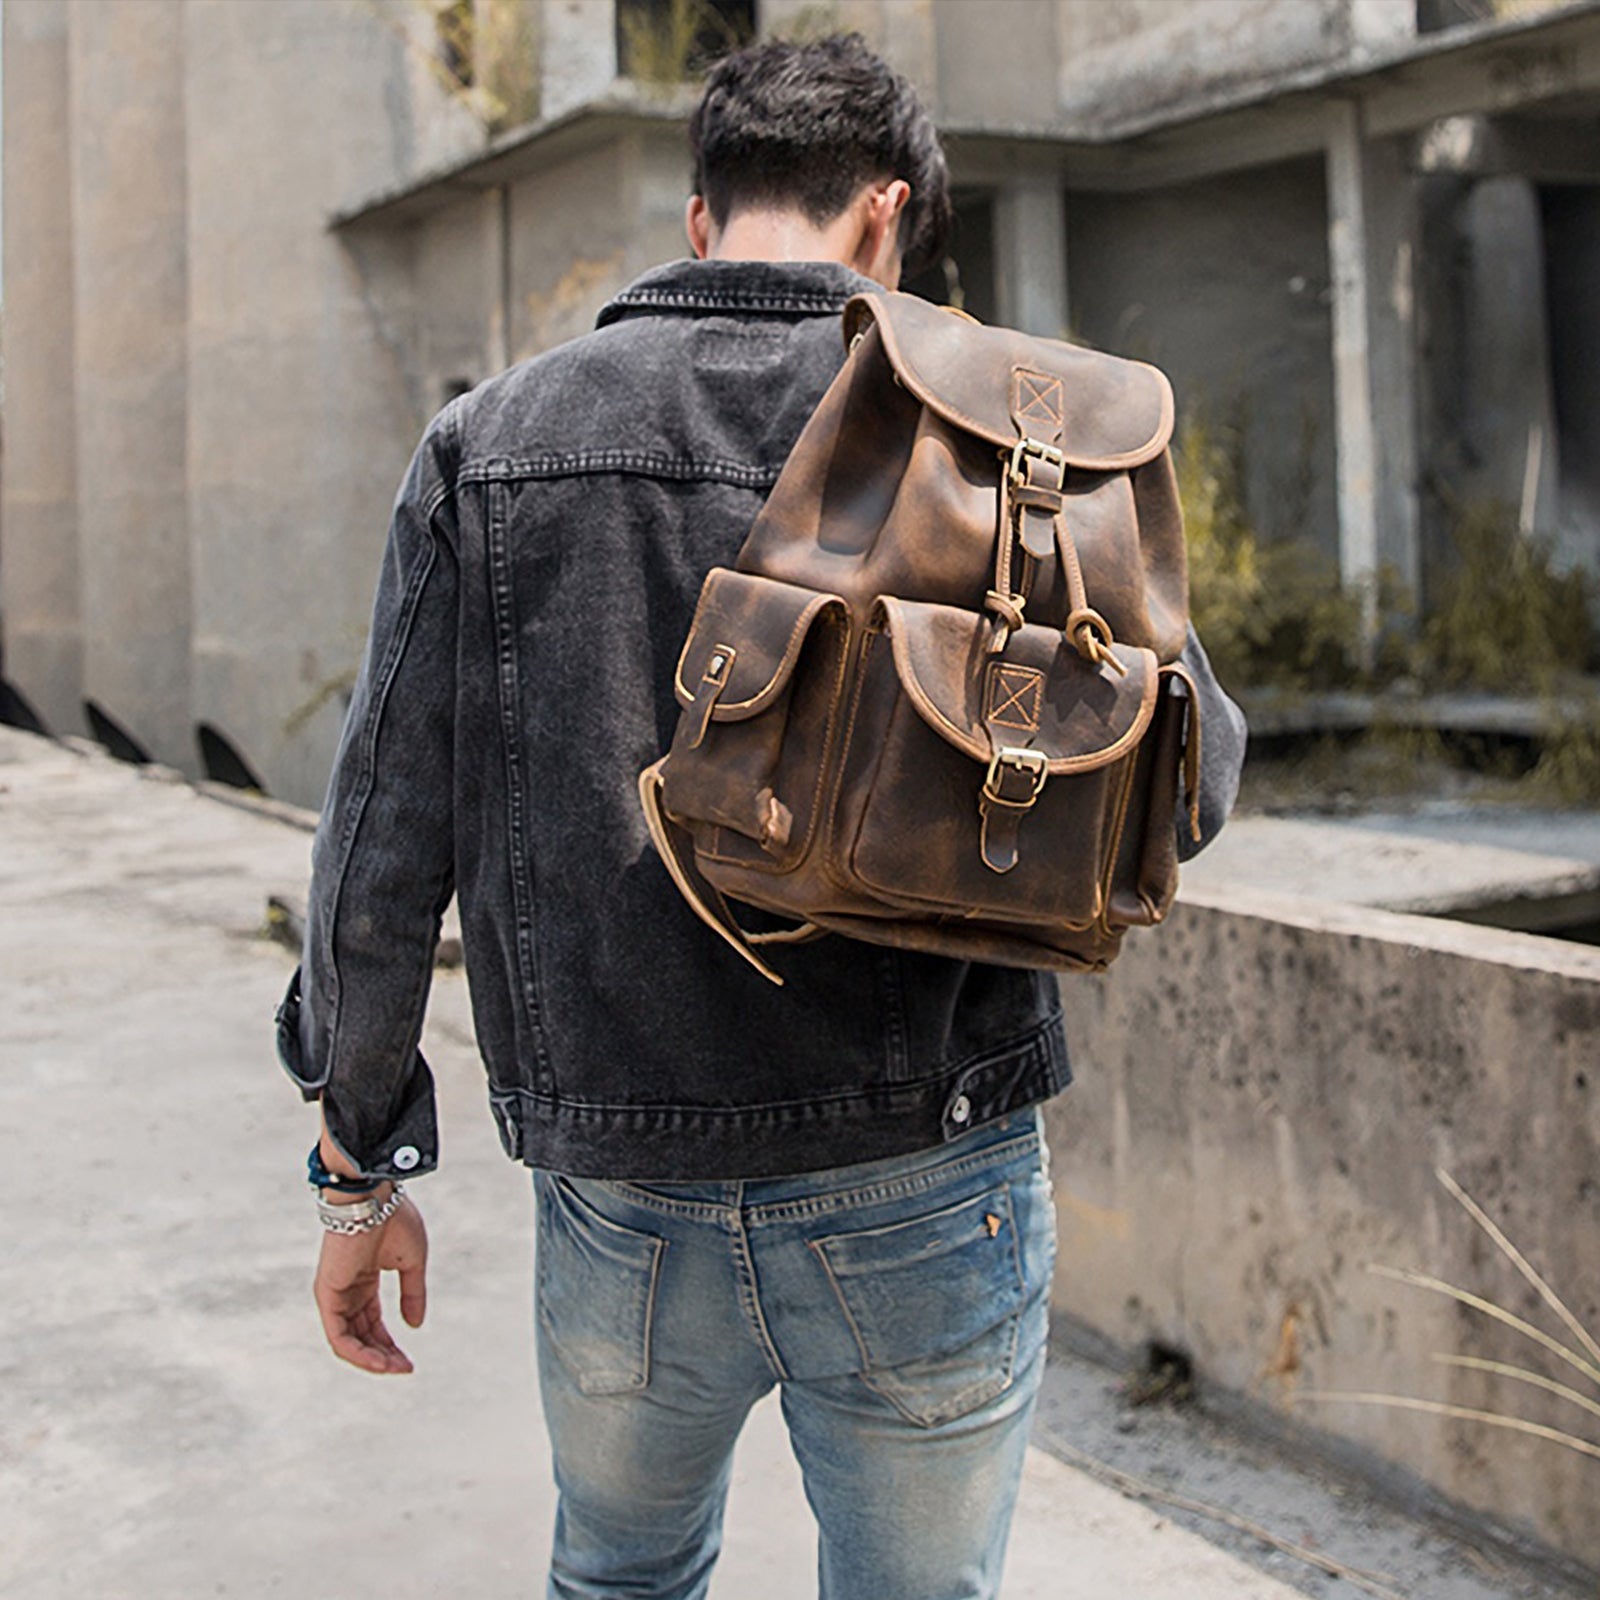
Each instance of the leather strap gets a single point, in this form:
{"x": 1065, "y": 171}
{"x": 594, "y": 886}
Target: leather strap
{"x": 1038, "y": 500}
{"x": 1191, "y": 746}
{"x": 1000, "y": 830}
{"x": 697, "y": 715}
{"x": 676, "y": 850}
{"x": 1015, "y": 779}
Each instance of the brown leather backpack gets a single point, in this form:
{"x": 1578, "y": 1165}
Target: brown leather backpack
{"x": 936, "y": 703}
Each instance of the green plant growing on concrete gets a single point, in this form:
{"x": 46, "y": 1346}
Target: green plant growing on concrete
{"x": 1506, "y": 620}
{"x": 1568, "y": 769}
{"x": 337, "y": 688}
{"x": 1270, "y": 610}
{"x": 481, "y": 52}
{"x": 672, "y": 47}
{"x": 1584, "y": 1359}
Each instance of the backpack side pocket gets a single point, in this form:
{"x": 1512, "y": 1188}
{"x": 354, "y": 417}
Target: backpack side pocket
{"x": 757, "y": 682}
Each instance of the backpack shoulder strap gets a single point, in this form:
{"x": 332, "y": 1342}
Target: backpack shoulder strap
{"x": 676, "y": 850}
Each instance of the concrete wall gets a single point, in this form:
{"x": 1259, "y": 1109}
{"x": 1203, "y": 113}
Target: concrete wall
{"x": 39, "y": 612}
{"x": 997, "y": 62}
{"x": 1265, "y": 1088}
{"x": 1160, "y": 275}
{"x": 305, "y": 397}
{"x": 130, "y": 289}
{"x": 1140, "y": 56}
{"x": 456, "y": 286}
{"x": 902, "y": 30}
{"x": 208, "y": 405}
{"x": 577, "y": 52}
{"x": 621, "y": 210}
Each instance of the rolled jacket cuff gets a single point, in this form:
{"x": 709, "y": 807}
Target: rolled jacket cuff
{"x": 291, "y": 1051}
{"x": 407, "y": 1148}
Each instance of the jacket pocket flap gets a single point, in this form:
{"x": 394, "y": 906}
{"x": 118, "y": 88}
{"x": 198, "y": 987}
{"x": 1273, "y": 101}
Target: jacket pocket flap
{"x": 744, "y": 642}
{"x": 1038, "y": 694}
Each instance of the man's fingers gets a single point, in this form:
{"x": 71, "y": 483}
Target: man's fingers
{"x": 367, "y": 1356}
{"x": 363, "y": 1341}
{"x": 414, "y": 1294}
{"x": 406, "y": 1241}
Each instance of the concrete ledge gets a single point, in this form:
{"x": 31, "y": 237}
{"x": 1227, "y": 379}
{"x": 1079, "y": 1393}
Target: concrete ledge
{"x": 1415, "y": 932}
{"x": 1275, "y": 713}
{"x": 1370, "y": 862}
{"x": 1265, "y": 1089}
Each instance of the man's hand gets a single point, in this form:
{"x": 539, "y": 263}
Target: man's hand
{"x": 346, "y": 1289}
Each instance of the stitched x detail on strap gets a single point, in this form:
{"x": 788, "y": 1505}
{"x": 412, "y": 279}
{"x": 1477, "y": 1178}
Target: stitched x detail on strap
{"x": 1038, "y": 404}
{"x": 1014, "y": 697}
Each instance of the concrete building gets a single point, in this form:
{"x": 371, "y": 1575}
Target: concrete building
{"x": 251, "y": 245}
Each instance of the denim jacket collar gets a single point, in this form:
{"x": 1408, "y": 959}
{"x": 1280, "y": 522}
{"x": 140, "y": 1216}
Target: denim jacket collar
{"x": 794, "y": 288}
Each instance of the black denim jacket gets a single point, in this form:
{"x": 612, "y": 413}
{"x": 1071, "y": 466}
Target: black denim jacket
{"x": 545, "y": 554}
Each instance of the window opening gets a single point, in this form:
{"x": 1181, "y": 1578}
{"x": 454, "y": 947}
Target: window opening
{"x": 674, "y": 41}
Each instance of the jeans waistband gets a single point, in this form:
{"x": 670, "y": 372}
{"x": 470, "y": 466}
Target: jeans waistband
{"x": 1004, "y": 1139}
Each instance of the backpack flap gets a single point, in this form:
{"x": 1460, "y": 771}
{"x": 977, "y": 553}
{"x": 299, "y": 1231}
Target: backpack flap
{"x": 1033, "y": 716}
{"x": 1103, "y": 413}
{"x": 1072, "y": 431}
{"x": 734, "y": 682}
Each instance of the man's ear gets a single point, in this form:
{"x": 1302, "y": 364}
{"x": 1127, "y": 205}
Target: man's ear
{"x": 878, "y": 253}
{"x": 697, "y": 224}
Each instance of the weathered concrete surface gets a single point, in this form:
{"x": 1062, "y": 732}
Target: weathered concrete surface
{"x": 171, "y": 1420}
{"x": 1127, "y": 59}
{"x": 1431, "y": 863}
{"x": 39, "y": 610}
{"x": 130, "y": 289}
{"x": 1266, "y": 1087}
{"x": 304, "y": 403}
{"x": 624, "y": 209}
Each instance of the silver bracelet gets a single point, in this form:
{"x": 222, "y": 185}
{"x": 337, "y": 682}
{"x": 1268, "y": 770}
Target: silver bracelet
{"x": 359, "y": 1216}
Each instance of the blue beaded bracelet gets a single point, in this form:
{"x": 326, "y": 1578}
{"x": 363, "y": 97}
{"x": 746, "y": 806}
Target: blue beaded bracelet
{"x": 320, "y": 1178}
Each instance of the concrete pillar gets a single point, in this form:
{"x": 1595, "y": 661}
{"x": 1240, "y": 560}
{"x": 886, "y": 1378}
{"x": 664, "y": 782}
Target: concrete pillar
{"x": 1030, "y": 251}
{"x": 1572, "y": 252}
{"x": 131, "y": 293}
{"x": 577, "y": 53}
{"x": 1509, "y": 400}
{"x": 39, "y": 613}
{"x": 1371, "y": 254}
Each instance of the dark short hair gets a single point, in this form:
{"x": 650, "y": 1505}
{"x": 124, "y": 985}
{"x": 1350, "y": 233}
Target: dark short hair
{"x": 806, "y": 125}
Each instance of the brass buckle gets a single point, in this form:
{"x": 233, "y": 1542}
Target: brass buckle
{"x": 719, "y": 666}
{"x": 1027, "y": 449}
{"x": 1032, "y": 763}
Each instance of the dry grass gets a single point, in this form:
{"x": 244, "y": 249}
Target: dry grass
{"x": 1581, "y": 1354}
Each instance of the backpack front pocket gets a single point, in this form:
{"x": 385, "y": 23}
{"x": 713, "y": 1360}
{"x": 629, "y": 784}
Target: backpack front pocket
{"x": 757, "y": 682}
{"x": 979, "y": 783}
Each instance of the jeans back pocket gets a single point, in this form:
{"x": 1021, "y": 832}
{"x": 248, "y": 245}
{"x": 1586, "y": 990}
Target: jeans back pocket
{"x": 934, "y": 1304}
{"x": 596, "y": 1290}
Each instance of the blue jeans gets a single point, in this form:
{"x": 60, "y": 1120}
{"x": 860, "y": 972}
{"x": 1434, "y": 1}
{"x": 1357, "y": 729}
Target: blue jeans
{"x": 900, "y": 1304}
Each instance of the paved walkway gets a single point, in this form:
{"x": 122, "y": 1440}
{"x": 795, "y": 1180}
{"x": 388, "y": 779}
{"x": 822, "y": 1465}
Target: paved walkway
{"x": 170, "y": 1424}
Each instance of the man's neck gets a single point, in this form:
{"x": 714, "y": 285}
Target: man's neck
{"x": 781, "y": 235}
